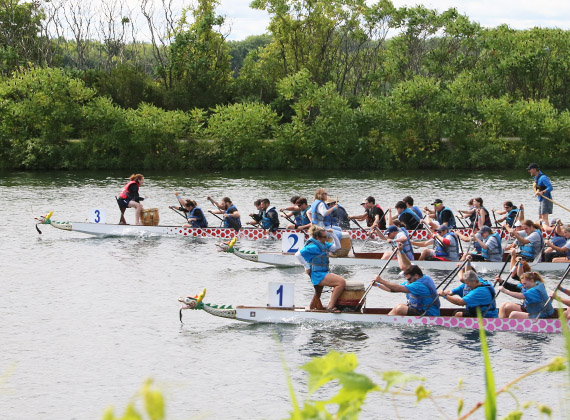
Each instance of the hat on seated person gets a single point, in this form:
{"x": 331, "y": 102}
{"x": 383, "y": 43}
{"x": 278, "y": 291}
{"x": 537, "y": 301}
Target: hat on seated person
{"x": 442, "y": 228}
{"x": 532, "y": 166}
{"x": 518, "y": 223}
{"x": 485, "y": 229}
{"x": 437, "y": 201}
{"x": 391, "y": 228}
{"x": 330, "y": 200}
{"x": 554, "y": 221}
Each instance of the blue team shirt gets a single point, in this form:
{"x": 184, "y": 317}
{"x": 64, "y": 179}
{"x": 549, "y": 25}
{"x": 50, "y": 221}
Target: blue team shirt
{"x": 309, "y": 252}
{"x": 418, "y": 289}
{"x": 480, "y": 296}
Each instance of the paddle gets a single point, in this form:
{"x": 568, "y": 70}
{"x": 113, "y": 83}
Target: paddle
{"x": 504, "y": 282}
{"x": 178, "y": 212}
{"x": 218, "y": 217}
{"x": 554, "y": 202}
{"x": 448, "y": 279}
{"x": 557, "y": 287}
{"x": 380, "y": 273}
{"x": 460, "y": 220}
{"x": 495, "y": 218}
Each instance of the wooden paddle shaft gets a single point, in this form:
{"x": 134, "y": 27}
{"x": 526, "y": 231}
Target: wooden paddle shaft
{"x": 554, "y": 202}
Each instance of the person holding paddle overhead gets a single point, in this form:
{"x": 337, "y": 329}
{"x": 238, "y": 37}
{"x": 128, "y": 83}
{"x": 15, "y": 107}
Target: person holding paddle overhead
{"x": 314, "y": 256}
{"x": 194, "y": 214}
{"x": 490, "y": 243}
{"x": 130, "y": 197}
{"x": 419, "y": 288}
{"x": 543, "y": 190}
{"x": 228, "y": 211}
{"x": 534, "y": 295}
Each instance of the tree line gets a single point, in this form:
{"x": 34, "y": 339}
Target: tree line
{"x": 333, "y": 83}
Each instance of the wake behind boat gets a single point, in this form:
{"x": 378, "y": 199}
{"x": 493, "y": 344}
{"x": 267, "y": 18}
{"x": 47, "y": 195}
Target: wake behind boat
{"x": 373, "y": 259}
{"x": 300, "y": 315}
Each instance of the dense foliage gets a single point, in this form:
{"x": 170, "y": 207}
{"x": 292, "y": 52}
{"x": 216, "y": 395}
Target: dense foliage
{"x": 326, "y": 87}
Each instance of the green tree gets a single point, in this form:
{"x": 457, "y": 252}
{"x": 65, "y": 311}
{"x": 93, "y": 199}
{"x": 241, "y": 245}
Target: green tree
{"x": 199, "y": 59}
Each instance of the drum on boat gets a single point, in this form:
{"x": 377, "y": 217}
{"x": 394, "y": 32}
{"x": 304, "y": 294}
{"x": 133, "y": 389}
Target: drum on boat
{"x": 345, "y": 245}
{"x": 351, "y": 295}
{"x": 150, "y": 217}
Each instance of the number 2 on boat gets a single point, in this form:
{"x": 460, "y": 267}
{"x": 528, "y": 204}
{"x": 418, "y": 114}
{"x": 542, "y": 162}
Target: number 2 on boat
{"x": 292, "y": 242}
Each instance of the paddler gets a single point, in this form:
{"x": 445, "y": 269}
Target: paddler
{"x": 560, "y": 252}
{"x": 510, "y": 212}
{"x": 228, "y": 211}
{"x": 405, "y": 215}
{"x": 315, "y": 258}
{"x": 490, "y": 243}
{"x": 396, "y": 235}
{"x": 474, "y": 293}
{"x": 256, "y": 216}
{"x": 373, "y": 214}
{"x": 269, "y": 216}
{"x": 339, "y": 216}
{"x": 419, "y": 288}
{"x": 531, "y": 242}
{"x": 129, "y": 197}
{"x": 444, "y": 215}
{"x": 194, "y": 214}
{"x": 446, "y": 246}
{"x": 534, "y": 295}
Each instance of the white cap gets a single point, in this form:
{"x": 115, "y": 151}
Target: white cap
{"x": 518, "y": 223}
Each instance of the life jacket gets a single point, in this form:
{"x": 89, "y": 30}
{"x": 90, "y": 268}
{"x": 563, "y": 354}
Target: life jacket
{"x": 537, "y": 180}
{"x": 408, "y": 250}
{"x": 201, "y": 222}
{"x": 527, "y": 250}
{"x": 319, "y": 262}
{"x": 232, "y": 222}
{"x": 487, "y": 221}
{"x": 450, "y": 252}
{"x": 370, "y": 220}
{"x": 451, "y": 222}
{"x": 534, "y": 308}
{"x": 511, "y": 215}
{"x": 266, "y": 222}
{"x": 411, "y": 213}
{"x": 339, "y": 217}
{"x": 301, "y": 218}
{"x": 492, "y": 306}
{"x": 496, "y": 255}
{"x": 318, "y": 219}
{"x": 422, "y": 302}
{"x": 125, "y": 193}
{"x": 558, "y": 241}
{"x": 417, "y": 211}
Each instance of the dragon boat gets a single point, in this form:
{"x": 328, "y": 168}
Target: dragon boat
{"x": 302, "y": 315}
{"x": 284, "y": 259}
{"x": 109, "y": 229}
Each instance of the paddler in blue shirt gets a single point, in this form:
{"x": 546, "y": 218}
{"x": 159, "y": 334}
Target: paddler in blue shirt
{"x": 419, "y": 288}
{"x": 535, "y": 298}
{"x": 315, "y": 258}
{"x": 543, "y": 190}
{"x": 480, "y": 294}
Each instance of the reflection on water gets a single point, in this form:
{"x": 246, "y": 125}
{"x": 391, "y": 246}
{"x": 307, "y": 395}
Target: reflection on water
{"x": 416, "y": 337}
{"x": 342, "y": 338}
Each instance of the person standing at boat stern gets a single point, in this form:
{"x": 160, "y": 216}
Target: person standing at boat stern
{"x": 315, "y": 258}
{"x": 419, "y": 288}
{"x": 543, "y": 190}
{"x": 228, "y": 211}
{"x": 129, "y": 197}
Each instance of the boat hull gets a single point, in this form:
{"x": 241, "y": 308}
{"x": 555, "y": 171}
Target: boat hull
{"x": 105, "y": 229}
{"x": 301, "y": 315}
{"x": 289, "y": 260}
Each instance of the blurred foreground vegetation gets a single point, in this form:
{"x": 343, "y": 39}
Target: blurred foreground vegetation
{"x": 333, "y": 84}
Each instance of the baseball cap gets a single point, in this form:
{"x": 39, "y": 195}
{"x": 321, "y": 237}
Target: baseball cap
{"x": 553, "y": 222}
{"x": 437, "y": 201}
{"x": 518, "y": 223}
{"x": 391, "y": 228}
{"x": 485, "y": 229}
{"x": 532, "y": 166}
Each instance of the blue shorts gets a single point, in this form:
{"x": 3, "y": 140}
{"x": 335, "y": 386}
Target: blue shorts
{"x": 123, "y": 202}
{"x": 545, "y": 207}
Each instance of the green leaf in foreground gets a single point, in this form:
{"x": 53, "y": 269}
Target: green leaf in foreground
{"x": 490, "y": 396}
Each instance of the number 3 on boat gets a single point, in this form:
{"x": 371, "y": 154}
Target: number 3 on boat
{"x": 97, "y": 215}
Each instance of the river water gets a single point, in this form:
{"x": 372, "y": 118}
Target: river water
{"x": 86, "y": 320}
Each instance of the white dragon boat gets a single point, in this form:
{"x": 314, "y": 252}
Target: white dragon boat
{"x": 109, "y": 229}
{"x": 283, "y": 259}
{"x": 301, "y": 315}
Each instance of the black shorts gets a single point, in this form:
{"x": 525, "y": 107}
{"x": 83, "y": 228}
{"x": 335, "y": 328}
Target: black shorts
{"x": 413, "y": 312}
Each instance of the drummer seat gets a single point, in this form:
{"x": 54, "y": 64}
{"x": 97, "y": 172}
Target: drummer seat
{"x": 122, "y": 221}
